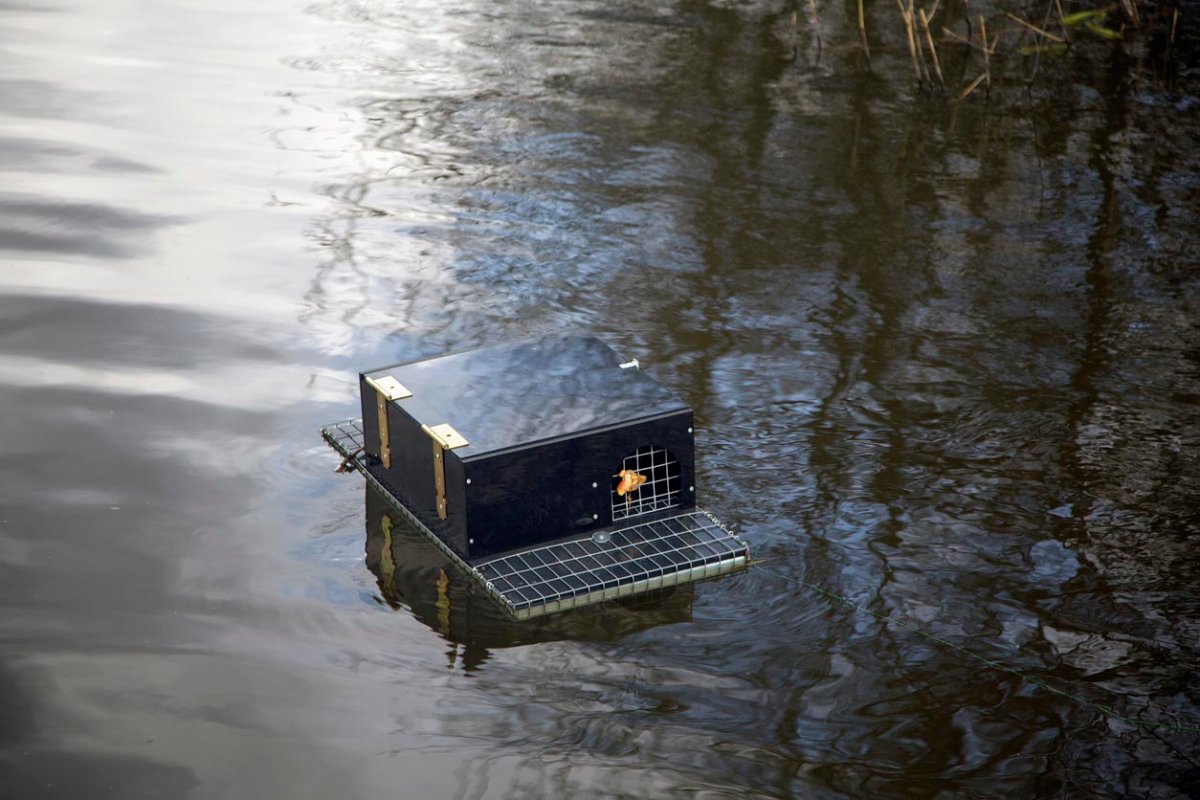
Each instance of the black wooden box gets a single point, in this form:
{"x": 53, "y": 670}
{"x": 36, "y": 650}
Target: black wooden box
{"x": 515, "y": 445}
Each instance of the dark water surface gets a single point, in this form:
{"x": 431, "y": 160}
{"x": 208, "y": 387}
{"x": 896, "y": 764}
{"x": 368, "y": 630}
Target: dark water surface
{"x": 945, "y": 362}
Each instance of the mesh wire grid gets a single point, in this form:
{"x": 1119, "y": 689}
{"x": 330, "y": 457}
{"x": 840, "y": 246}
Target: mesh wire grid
{"x": 656, "y": 553}
{"x": 346, "y": 437}
{"x": 661, "y": 487}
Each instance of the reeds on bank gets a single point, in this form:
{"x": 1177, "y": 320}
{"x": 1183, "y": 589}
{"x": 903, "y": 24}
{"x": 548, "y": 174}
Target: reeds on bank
{"x": 988, "y": 48}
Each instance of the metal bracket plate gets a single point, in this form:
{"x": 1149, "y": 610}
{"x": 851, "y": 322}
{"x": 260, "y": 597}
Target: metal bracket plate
{"x": 385, "y": 447}
{"x": 444, "y": 433}
{"x": 386, "y": 388}
{"x": 439, "y": 478}
{"x": 444, "y": 438}
{"x": 389, "y": 387}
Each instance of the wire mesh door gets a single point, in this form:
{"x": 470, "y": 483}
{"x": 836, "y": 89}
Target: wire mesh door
{"x": 647, "y": 481}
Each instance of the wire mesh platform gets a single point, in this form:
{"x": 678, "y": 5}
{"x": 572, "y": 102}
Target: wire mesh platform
{"x": 607, "y": 565}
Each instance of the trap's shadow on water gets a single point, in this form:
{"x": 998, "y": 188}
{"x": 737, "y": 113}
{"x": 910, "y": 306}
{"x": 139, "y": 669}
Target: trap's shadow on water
{"x": 414, "y": 574}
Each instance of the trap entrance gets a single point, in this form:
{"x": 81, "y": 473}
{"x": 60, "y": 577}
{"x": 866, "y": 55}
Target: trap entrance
{"x": 657, "y": 551}
{"x": 647, "y": 481}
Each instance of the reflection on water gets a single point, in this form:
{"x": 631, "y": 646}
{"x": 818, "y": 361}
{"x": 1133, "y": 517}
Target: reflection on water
{"x": 943, "y": 359}
{"x": 414, "y": 574}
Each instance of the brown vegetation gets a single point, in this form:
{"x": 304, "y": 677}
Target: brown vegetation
{"x": 996, "y": 45}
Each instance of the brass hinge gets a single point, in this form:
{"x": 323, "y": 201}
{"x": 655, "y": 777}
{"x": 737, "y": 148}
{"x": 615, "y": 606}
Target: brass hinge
{"x": 444, "y": 438}
{"x": 386, "y": 388}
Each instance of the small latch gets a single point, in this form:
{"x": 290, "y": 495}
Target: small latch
{"x": 630, "y": 364}
{"x": 444, "y": 438}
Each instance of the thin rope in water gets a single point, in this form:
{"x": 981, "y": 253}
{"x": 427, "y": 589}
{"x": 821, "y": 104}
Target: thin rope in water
{"x": 1041, "y": 683}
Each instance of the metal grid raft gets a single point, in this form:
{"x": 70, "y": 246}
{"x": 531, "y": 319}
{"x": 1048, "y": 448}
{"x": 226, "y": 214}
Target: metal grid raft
{"x": 648, "y": 556}
{"x": 610, "y": 564}
{"x": 347, "y": 438}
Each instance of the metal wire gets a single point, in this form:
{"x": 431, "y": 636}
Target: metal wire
{"x": 346, "y": 437}
{"x": 661, "y": 489}
{"x": 686, "y": 543}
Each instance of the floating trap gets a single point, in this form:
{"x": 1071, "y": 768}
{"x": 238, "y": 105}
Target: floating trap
{"x": 554, "y": 474}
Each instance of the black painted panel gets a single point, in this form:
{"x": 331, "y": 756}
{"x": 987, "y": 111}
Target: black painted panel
{"x": 542, "y": 493}
{"x": 410, "y": 477}
{"x": 516, "y": 394}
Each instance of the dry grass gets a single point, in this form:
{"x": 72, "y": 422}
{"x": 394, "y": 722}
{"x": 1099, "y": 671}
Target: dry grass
{"x": 983, "y": 50}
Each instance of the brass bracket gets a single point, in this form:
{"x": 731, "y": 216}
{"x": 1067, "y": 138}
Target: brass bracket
{"x": 386, "y": 388}
{"x": 444, "y": 438}
{"x": 385, "y": 449}
{"x": 389, "y": 387}
{"x": 445, "y": 434}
